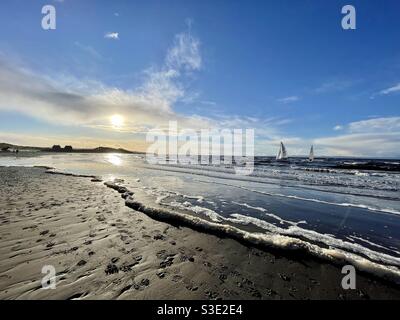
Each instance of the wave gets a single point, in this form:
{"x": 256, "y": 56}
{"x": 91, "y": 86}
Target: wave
{"x": 314, "y": 236}
{"x": 344, "y": 204}
{"x": 336, "y": 251}
{"x": 277, "y": 177}
{"x": 281, "y": 221}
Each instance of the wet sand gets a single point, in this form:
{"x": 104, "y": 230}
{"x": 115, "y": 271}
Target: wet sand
{"x": 102, "y": 249}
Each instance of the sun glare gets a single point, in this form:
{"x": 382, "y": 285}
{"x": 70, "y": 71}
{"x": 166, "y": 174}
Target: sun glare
{"x": 114, "y": 159}
{"x": 117, "y": 120}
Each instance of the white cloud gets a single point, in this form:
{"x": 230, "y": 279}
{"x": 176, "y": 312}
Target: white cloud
{"x": 66, "y": 100}
{"x": 390, "y": 90}
{"x": 71, "y": 101}
{"x": 388, "y": 124}
{"x": 376, "y": 137}
{"x": 338, "y": 127}
{"x": 361, "y": 144}
{"x": 289, "y": 99}
{"x": 112, "y": 35}
{"x": 379, "y": 137}
{"x": 185, "y": 53}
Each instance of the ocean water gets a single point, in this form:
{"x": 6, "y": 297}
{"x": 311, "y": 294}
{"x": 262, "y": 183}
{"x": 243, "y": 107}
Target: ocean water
{"x": 340, "y": 209}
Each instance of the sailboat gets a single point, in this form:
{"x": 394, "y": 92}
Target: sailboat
{"x": 282, "y": 154}
{"x": 311, "y": 156}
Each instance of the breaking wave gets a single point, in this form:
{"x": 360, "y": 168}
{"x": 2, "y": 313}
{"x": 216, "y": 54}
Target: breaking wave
{"x": 323, "y": 246}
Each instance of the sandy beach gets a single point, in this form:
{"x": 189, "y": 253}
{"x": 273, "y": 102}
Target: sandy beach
{"x": 102, "y": 249}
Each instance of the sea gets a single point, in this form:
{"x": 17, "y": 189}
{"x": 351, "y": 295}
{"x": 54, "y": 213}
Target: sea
{"x": 340, "y": 209}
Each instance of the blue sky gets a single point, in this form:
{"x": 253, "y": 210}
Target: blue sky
{"x": 285, "y": 68}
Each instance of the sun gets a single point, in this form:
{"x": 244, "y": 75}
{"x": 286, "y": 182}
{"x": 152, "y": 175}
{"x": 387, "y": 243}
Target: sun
{"x": 117, "y": 120}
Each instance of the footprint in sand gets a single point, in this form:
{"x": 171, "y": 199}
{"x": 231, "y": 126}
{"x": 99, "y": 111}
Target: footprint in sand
{"x": 161, "y": 274}
{"x": 111, "y": 269}
{"x": 159, "y": 236}
{"x": 81, "y": 263}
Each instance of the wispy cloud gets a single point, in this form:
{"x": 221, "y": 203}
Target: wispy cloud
{"x": 388, "y": 124}
{"x": 373, "y": 137}
{"x": 289, "y": 99}
{"x": 334, "y": 86}
{"x": 90, "y": 50}
{"x": 379, "y": 137}
{"x": 362, "y": 144}
{"x": 390, "y": 90}
{"x": 208, "y": 103}
{"x": 185, "y": 53}
{"x": 112, "y": 35}
{"x": 66, "y": 100}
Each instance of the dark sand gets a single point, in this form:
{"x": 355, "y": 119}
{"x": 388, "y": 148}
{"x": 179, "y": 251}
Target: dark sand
{"x": 102, "y": 249}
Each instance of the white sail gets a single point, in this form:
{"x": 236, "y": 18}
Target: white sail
{"x": 282, "y": 154}
{"x": 311, "y": 156}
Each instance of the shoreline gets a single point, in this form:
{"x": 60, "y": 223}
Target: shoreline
{"x": 279, "y": 271}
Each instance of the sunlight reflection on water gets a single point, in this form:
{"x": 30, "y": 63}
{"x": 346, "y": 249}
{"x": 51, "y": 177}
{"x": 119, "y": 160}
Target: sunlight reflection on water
{"x": 114, "y": 159}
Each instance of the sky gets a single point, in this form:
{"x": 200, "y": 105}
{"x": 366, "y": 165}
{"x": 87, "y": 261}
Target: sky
{"x": 113, "y": 70}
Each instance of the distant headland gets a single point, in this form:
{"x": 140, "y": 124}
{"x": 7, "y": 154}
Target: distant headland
{"x": 7, "y": 147}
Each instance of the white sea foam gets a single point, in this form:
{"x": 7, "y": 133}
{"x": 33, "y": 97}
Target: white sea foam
{"x": 265, "y": 211}
{"x": 292, "y": 237}
{"x": 374, "y": 244}
{"x": 211, "y": 214}
{"x": 337, "y": 250}
{"x": 314, "y": 236}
